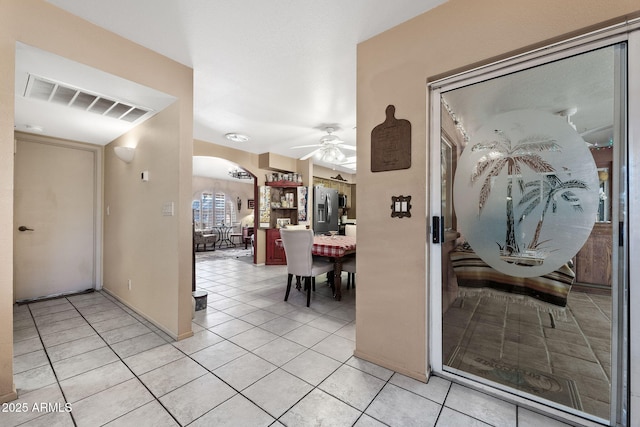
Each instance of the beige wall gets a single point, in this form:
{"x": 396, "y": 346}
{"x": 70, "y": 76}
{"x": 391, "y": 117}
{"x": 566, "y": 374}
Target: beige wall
{"x": 393, "y": 68}
{"x": 140, "y": 243}
{"x": 39, "y": 24}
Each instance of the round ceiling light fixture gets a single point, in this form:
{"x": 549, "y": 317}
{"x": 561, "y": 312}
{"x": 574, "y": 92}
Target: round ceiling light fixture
{"x": 236, "y": 137}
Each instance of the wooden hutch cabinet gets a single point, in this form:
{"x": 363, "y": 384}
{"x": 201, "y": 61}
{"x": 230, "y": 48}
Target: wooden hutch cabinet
{"x": 279, "y": 205}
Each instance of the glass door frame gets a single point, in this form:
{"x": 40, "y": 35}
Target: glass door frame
{"x": 621, "y": 298}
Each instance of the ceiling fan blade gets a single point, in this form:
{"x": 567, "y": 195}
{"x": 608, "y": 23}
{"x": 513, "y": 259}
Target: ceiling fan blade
{"x": 348, "y": 147}
{"x": 306, "y": 146}
{"x": 305, "y": 157}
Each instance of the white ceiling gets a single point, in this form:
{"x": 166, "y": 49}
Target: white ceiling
{"x": 583, "y": 85}
{"x": 279, "y": 71}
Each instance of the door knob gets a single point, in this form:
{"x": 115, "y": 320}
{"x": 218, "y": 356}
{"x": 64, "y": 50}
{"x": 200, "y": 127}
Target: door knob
{"x": 23, "y": 228}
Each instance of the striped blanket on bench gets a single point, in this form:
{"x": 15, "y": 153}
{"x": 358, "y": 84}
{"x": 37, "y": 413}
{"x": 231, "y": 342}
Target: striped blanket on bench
{"x": 474, "y": 276}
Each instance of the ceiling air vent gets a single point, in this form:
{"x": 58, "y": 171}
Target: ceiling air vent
{"x": 59, "y": 93}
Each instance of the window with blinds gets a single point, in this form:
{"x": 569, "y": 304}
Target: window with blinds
{"x": 213, "y": 210}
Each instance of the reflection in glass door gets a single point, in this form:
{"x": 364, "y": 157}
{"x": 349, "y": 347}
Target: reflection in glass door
{"x": 530, "y": 211}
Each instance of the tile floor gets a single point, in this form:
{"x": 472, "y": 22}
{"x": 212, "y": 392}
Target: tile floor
{"x": 576, "y": 346}
{"x": 254, "y": 360}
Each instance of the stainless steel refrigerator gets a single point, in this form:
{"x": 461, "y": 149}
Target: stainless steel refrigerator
{"x": 325, "y": 210}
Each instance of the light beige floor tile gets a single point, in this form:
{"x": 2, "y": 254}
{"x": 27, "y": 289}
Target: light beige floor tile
{"x": 450, "y": 418}
{"x": 27, "y": 346}
{"x": 280, "y": 325}
{"x": 73, "y": 348}
{"x": 312, "y": 367}
{"x": 253, "y": 338}
{"x": 39, "y": 310}
{"x": 125, "y": 332}
{"x": 105, "y": 315}
{"x": 115, "y": 323}
{"x": 213, "y": 319}
{"x": 435, "y": 389}
{"x": 336, "y": 347}
{"x": 396, "y": 406}
{"x": 153, "y": 358}
{"x": 244, "y": 371}
{"x": 306, "y": 335}
{"x": 34, "y": 379}
{"x": 370, "y": 368}
{"x": 137, "y": 345}
{"x": 196, "y": 398}
{"x": 319, "y": 408}
{"x": 367, "y": 421}
{"x": 68, "y": 335}
{"x": 217, "y": 355}
{"x": 481, "y": 406}
{"x": 62, "y": 325}
{"x": 56, "y": 317}
{"x": 352, "y": 386}
{"x": 23, "y": 323}
{"x": 279, "y": 351}
{"x": 172, "y": 375}
{"x": 259, "y": 317}
{"x": 231, "y": 328}
{"x": 198, "y": 341}
{"x": 239, "y": 310}
{"x": 277, "y": 392}
{"x": 237, "y": 411}
{"x": 84, "y": 362}
{"x": 151, "y": 414}
{"x": 95, "y": 381}
{"x": 49, "y": 394}
{"x": 28, "y": 361}
{"x": 52, "y": 419}
{"x": 100, "y": 408}
{"x": 22, "y": 334}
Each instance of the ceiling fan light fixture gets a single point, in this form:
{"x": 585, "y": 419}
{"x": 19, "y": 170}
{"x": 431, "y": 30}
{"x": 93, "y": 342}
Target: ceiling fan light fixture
{"x": 236, "y": 137}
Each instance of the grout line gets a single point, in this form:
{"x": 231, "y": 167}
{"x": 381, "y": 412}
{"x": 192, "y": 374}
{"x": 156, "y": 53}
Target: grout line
{"x": 46, "y": 352}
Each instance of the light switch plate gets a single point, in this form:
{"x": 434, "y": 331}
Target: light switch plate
{"x": 400, "y": 206}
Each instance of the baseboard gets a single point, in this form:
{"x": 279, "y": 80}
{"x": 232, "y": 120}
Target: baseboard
{"x": 419, "y": 376}
{"x": 149, "y": 319}
{"x": 13, "y": 395}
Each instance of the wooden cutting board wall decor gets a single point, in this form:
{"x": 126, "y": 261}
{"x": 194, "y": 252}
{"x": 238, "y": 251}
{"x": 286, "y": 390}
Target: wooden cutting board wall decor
{"x": 391, "y": 143}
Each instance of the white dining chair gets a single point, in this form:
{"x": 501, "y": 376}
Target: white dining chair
{"x": 300, "y": 262}
{"x": 349, "y": 265}
{"x": 350, "y": 230}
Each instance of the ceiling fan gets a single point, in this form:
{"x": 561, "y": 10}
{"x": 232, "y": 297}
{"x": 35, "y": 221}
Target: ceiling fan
{"x": 328, "y": 148}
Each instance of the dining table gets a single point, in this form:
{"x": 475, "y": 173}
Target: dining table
{"x": 334, "y": 247}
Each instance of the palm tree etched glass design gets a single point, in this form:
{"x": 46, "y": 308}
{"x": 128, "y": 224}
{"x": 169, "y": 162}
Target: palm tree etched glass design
{"x": 519, "y": 168}
{"x": 549, "y": 189}
{"x": 503, "y": 153}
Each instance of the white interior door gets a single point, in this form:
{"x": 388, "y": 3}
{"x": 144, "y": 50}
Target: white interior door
{"x": 54, "y": 200}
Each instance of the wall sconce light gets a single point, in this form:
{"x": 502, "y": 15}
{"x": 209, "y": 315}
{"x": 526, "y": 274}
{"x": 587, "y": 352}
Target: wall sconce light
{"x": 239, "y": 201}
{"x": 125, "y": 153}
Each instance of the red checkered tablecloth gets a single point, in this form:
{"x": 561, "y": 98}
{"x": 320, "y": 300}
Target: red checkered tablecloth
{"x": 333, "y": 246}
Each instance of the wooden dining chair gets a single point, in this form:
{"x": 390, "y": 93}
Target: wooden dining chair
{"x": 300, "y": 262}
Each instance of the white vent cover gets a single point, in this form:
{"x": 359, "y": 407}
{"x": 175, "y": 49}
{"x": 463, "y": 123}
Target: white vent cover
{"x": 63, "y": 94}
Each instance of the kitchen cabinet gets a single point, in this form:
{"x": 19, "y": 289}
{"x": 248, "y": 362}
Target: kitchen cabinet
{"x": 593, "y": 262}
{"x": 275, "y": 253}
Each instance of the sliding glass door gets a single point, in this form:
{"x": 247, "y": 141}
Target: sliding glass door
{"x": 529, "y": 199}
